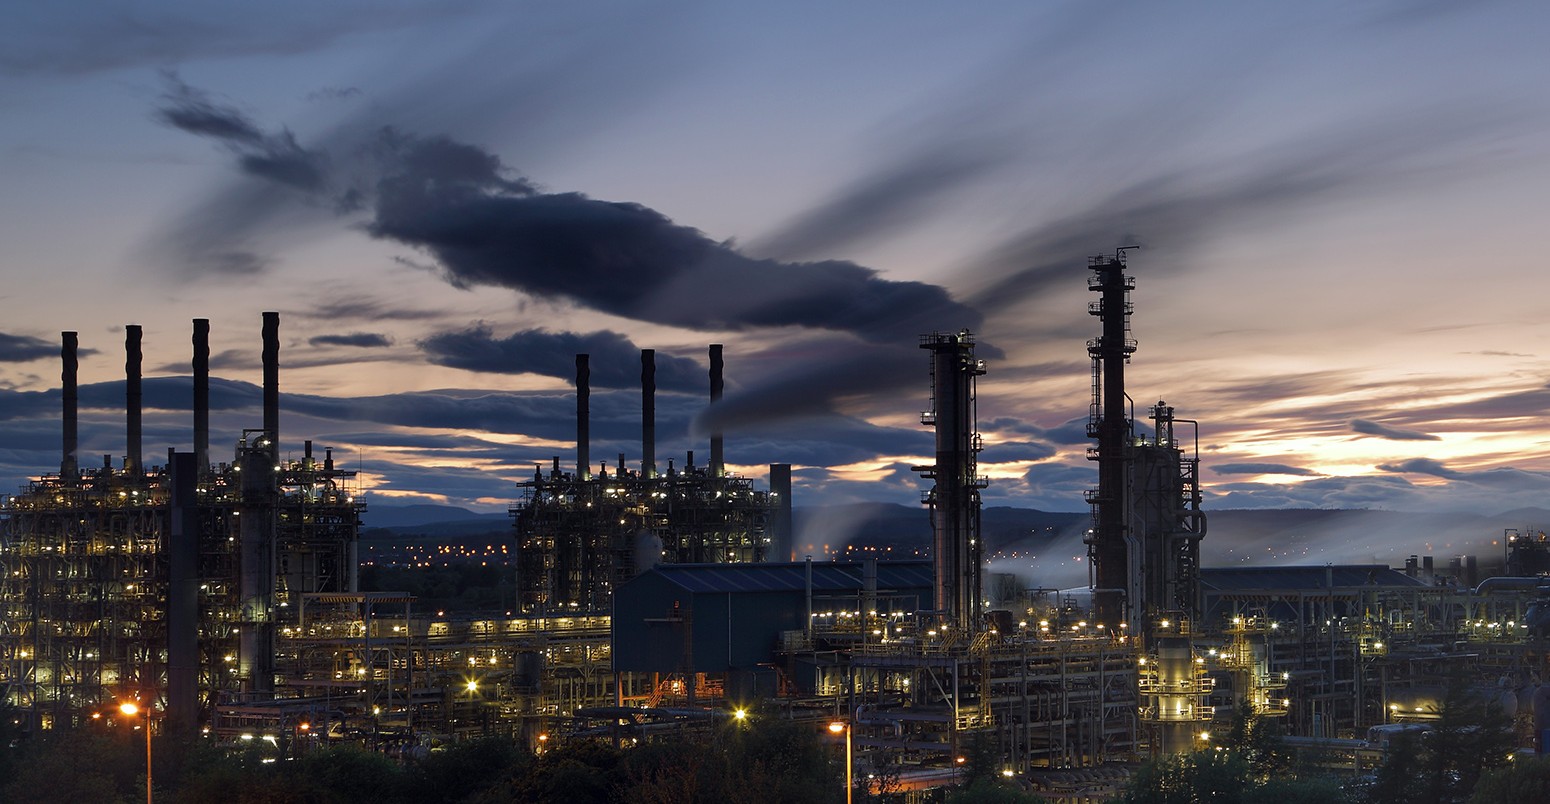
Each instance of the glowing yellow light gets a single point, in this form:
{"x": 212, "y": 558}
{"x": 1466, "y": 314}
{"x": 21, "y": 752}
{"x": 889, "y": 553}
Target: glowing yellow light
{"x": 836, "y": 727}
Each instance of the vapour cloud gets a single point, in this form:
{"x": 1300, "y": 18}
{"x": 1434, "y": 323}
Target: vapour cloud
{"x": 274, "y": 156}
{"x": 614, "y": 361}
{"x": 359, "y": 339}
{"x": 1372, "y": 428}
{"x": 1259, "y": 469}
{"x": 876, "y": 204}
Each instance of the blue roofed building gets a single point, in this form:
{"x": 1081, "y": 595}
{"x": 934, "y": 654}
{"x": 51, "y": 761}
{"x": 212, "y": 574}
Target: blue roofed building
{"x": 733, "y": 620}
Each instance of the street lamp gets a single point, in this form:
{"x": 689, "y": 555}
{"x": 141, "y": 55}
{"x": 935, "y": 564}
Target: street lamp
{"x": 129, "y": 708}
{"x": 836, "y": 727}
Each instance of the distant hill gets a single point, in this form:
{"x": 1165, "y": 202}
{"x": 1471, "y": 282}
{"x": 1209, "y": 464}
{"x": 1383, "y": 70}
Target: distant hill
{"x": 432, "y": 519}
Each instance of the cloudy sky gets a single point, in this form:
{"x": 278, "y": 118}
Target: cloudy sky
{"x": 1338, "y": 207}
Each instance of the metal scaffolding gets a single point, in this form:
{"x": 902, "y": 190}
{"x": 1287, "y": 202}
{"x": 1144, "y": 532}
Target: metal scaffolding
{"x": 577, "y": 539}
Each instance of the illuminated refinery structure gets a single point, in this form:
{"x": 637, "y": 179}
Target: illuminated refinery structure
{"x": 168, "y": 582}
{"x": 650, "y": 600}
{"x": 579, "y": 535}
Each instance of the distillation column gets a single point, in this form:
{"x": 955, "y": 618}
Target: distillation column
{"x": 1107, "y": 543}
{"x": 955, "y": 497}
{"x": 1166, "y": 523}
{"x": 258, "y": 460}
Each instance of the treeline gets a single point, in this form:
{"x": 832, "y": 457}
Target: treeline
{"x": 764, "y": 760}
{"x": 1466, "y": 758}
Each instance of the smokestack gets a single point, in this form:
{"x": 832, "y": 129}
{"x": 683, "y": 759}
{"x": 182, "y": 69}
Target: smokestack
{"x": 201, "y": 394}
{"x": 781, "y": 547}
{"x": 583, "y": 418}
{"x": 132, "y": 360}
{"x": 717, "y": 467}
{"x": 648, "y": 413}
{"x": 272, "y": 377}
{"x": 183, "y": 594}
{"x": 68, "y": 467}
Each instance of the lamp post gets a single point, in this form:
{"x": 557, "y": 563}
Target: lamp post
{"x": 129, "y": 708}
{"x": 843, "y": 726}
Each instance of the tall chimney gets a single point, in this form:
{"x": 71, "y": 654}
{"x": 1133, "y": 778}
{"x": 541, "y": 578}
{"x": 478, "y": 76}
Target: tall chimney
{"x": 648, "y": 413}
{"x": 68, "y": 466}
{"x": 272, "y": 376}
{"x": 583, "y": 418}
{"x": 717, "y": 467}
{"x": 201, "y": 394}
{"x": 132, "y": 360}
{"x": 782, "y": 547}
{"x": 182, "y": 557}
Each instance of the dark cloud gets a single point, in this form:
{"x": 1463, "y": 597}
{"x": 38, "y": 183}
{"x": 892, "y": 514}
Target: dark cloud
{"x": 1260, "y": 469}
{"x": 25, "y": 348}
{"x": 1505, "y": 478}
{"x": 194, "y": 112}
{"x": 821, "y": 386}
{"x": 1422, "y": 466}
{"x": 616, "y": 415}
{"x": 28, "y": 404}
{"x": 1007, "y": 451}
{"x": 275, "y": 157}
{"x": 456, "y": 483}
{"x": 1006, "y": 424}
{"x": 366, "y": 309}
{"x": 1072, "y": 431}
{"x": 614, "y": 361}
{"x": 1058, "y": 486}
{"x": 1530, "y": 402}
{"x": 488, "y": 227}
{"x": 170, "y": 393}
{"x": 1372, "y": 428}
{"x": 626, "y": 259}
{"x": 361, "y": 339}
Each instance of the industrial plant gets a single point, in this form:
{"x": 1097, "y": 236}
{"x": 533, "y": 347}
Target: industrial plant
{"x": 655, "y": 597}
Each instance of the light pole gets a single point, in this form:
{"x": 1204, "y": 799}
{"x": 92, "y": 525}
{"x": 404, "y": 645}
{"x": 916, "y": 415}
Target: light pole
{"x": 841, "y": 726}
{"x": 129, "y": 708}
